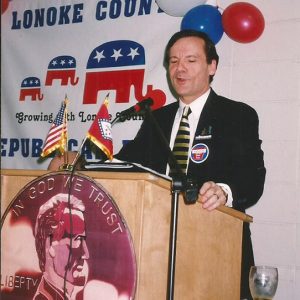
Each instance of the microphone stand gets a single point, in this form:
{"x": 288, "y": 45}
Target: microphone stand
{"x": 180, "y": 183}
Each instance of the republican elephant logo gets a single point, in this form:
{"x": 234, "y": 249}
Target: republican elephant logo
{"x": 119, "y": 65}
{"x": 31, "y": 87}
{"x": 62, "y": 68}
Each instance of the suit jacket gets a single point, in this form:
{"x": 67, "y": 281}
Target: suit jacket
{"x": 228, "y": 131}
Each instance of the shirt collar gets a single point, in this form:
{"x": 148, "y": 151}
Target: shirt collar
{"x": 197, "y": 105}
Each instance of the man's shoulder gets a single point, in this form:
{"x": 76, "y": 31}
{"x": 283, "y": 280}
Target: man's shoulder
{"x": 230, "y": 106}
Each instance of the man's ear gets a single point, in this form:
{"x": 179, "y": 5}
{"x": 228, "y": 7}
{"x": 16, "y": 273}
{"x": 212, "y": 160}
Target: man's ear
{"x": 213, "y": 67}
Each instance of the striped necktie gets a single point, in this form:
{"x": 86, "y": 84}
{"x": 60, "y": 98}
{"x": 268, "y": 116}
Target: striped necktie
{"x": 182, "y": 141}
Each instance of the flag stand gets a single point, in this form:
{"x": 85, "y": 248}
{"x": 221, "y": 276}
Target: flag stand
{"x": 70, "y": 167}
{"x": 67, "y": 166}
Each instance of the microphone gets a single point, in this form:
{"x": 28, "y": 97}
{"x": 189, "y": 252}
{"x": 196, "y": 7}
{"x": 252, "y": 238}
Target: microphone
{"x": 138, "y": 107}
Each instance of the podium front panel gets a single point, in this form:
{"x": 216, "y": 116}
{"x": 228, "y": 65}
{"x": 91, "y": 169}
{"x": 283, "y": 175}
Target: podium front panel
{"x": 208, "y": 246}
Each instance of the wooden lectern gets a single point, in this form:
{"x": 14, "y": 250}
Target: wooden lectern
{"x": 208, "y": 260}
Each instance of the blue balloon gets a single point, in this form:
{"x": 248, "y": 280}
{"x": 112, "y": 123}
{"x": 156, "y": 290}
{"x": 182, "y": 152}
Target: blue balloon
{"x": 205, "y": 18}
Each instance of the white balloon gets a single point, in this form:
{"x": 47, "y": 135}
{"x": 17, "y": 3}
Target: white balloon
{"x": 178, "y": 8}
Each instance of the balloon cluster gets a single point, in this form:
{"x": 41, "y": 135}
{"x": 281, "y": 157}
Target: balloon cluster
{"x": 241, "y": 21}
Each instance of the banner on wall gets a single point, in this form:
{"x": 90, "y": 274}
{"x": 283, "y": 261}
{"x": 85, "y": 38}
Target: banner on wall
{"x": 85, "y": 50}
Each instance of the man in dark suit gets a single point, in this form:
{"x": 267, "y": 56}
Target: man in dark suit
{"x": 225, "y": 155}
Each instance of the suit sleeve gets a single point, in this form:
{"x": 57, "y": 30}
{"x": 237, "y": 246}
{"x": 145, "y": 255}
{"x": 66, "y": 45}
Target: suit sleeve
{"x": 247, "y": 174}
{"x": 136, "y": 149}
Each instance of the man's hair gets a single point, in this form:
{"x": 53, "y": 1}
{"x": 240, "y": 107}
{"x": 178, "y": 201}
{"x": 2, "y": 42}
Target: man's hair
{"x": 209, "y": 46}
{"x": 49, "y": 222}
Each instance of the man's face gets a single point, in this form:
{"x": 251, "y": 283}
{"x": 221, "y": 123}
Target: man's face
{"x": 60, "y": 249}
{"x": 188, "y": 69}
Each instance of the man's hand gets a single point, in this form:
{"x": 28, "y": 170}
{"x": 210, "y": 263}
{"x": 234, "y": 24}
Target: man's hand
{"x": 211, "y": 196}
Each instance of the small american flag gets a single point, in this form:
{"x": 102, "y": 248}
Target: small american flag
{"x": 57, "y": 136}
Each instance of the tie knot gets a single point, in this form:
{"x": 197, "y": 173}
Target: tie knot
{"x": 186, "y": 111}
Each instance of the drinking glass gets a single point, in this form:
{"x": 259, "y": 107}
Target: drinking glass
{"x": 263, "y": 281}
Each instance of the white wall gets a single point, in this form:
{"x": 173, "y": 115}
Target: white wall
{"x": 265, "y": 74}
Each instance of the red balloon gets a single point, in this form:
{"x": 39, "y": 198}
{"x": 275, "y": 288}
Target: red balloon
{"x": 243, "y": 22}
